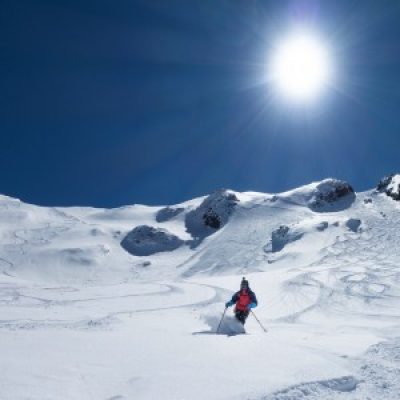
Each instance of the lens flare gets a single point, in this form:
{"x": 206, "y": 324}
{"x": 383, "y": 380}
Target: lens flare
{"x": 300, "y": 67}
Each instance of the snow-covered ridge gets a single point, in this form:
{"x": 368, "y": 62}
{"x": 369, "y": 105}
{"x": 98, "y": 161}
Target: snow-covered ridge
{"x": 224, "y": 232}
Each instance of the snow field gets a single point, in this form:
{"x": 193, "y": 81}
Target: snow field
{"x": 80, "y": 318}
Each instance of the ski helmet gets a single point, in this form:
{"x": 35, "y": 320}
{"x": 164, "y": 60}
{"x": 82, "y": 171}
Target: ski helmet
{"x": 244, "y": 284}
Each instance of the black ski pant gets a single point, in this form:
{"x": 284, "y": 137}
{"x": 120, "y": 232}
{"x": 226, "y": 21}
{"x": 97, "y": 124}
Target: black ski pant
{"x": 241, "y": 315}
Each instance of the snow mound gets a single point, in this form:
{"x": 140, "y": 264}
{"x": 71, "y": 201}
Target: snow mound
{"x": 376, "y": 378}
{"x": 212, "y": 214}
{"x": 281, "y": 237}
{"x": 167, "y": 213}
{"x": 145, "y": 240}
{"x": 388, "y": 351}
{"x": 390, "y": 185}
{"x": 327, "y": 389}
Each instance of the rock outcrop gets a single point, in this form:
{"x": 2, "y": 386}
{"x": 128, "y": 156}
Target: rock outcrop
{"x": 390, "y": 185}
{"x": 167, "y": 213}
{"x": 353, "y": 224}
{"x": 212, "y": 214}
{"x": 332, "y": 195}
{"x": 146, "y": 240}
{"x": 280, "y": 237}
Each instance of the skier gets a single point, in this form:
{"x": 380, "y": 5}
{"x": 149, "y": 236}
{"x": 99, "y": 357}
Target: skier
{"x": 244, "y": 299}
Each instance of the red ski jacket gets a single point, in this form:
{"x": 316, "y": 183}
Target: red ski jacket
{"x": 243, "y": 298}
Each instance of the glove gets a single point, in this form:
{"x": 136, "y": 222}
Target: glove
{"x": 228, "y": 304}
{"x": 252, "y": 305}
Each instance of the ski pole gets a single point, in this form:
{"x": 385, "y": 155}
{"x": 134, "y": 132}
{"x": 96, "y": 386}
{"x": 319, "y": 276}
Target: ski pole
{"x": 265, "y": 330}
{"x": 220, "y": 322}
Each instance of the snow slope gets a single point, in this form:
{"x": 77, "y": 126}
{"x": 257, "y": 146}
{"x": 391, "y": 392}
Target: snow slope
{"x": 81, "y": 318}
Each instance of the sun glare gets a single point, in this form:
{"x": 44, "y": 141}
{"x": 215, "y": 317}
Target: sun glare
{"x": 300, "y": 67}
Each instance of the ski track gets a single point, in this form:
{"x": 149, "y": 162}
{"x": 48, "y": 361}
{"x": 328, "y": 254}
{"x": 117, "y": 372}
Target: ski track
{"x": 352, "y": 273}
{"x": 353, "y": 269}
{"x": 13, "y": 297}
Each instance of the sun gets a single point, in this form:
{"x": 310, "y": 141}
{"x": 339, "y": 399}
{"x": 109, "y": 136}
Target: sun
{"x": 300, "y": 67}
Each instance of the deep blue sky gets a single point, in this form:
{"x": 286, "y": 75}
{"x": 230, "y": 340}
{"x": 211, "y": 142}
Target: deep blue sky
{"x": 106, "y": 103}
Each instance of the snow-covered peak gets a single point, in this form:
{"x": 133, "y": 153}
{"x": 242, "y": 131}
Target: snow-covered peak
{"x": 395, "y": 184}
{"x": 391, "y": 186}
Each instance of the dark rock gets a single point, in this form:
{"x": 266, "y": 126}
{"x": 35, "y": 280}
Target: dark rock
{"x": 146, "y": 263}
{"x": 353, "y": 224}
{"x": 212, "y": 219}
{"x": 322, "y": 226}
{"x": 145, "y": 240}
{"x": 280, "y": 238}
{"x": 167, "y": 213}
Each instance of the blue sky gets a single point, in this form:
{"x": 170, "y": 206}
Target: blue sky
{"x": 106, "y": 103}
